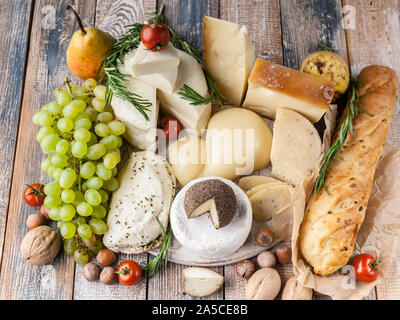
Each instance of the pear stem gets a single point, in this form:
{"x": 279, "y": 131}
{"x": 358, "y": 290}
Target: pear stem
{"x": 78, "y": 19}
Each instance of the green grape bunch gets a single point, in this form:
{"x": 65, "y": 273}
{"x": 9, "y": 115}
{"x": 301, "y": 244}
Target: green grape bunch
{"x": 79, "y": 133}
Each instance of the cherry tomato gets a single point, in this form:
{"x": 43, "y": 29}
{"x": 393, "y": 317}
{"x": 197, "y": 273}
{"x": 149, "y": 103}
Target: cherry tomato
{"x": 34, "y": 194}
{"x": 171, "y": 127}
{"x": 155, "y": 37}
{"x": 366, "y": 267}
{"x": 129, "y": 273}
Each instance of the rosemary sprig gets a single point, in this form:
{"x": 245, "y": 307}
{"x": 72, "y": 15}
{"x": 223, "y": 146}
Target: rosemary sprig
{"x": 154, "y": 265}
{"x": 325, "y": 47}
{"x": 345, "y": 128}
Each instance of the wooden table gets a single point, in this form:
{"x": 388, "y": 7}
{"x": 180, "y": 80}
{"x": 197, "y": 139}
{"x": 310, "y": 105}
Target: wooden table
{"x": 34, "y": 39}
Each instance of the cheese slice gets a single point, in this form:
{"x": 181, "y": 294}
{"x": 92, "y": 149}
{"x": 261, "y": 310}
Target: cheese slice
{"x": 140, "y": 133}
{"x": 148, "y": 62}
{"x": 191, "y": 74}
{"x": 228, "y": 57}
{"x": 260, "y": 187}
{"x": 249, "y": 182}
{"x": 147, "y": 187}
{"x": 272, "y": 86}
{"x": 296, "y": 147}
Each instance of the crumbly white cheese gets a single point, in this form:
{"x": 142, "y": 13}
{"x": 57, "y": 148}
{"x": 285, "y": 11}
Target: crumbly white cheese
{"x": 199, "y": 234}
{"x": 147, "y": 187}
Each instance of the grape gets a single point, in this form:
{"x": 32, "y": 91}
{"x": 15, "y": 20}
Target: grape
{"x": 80, "y": 93}
{"x": 82, "y": 134}
{"x": 98, "y": 104}
{"x": 93, "y": 139}
{"x": 81, "y": 256}
{"x": 101, "y": 130}
{"x": 79, "y": 220}
{"x": 84, "y": 186}
{"x": 51, "y": 202}
{"x": 111, "y": 185}
{"x": 54, "y": 108}
{"x": 52, "y": 189}
{"x": 99, "y": 212}
{"x": 78, "y": 197}
{"x": 103, "y": 172}
{"x": 62, "y": 97}
{"x": 56, "y": 174}
{"x": 84, "y": 123}
{"x": 116, "y": 127}
{"x": 67, "y": 212}
{"x": 96, "y": 151}
{"x": 54, "y": 213}
{"x": 68, "y": 230}
{"x": 43, "y": 132}
{"x": 50, "y": 141}
{"x": 90, "y": 84}
{"x": 87, "y": 170}
{"x": 70, "y": 246}
{"x": 67, "y": 178}
{"x": 110, "y": 142}
{"x": 92, "y": 113}
{"x": 68, "y": 196}
{"x": 110, "y": 160}
{"x": 65, "y": 125}
{"x": 44, "y": 118}
{"x": 84, "y": 231}
{"x": 59, "y": 224}
{"x": 70, "y": 110}
{"x": 84, "y": 209}
{"x": 62, "y": 146}
{"x": 98, "y": 226}
{"x": 105, "y": 117}
{"x": 59, "y": 160}
{"x": 119, "y": 142}
{"x": 100, "y": 92}
{"x": 90, "y": 242}
{"x": 80, "y": 104}
{"x": 104, "y": 196}
{"x": 114, "y": 171}
{"x": 92, "y": 197}
{"x": 50, "y": 169}
{"x": 95, "y": 249}
{"x": 94, "y": 183}
{"x": 79, "y": 148}
{"x": 44, "y": 165}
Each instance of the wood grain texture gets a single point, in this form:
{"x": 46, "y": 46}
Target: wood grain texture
{"x": 112, "y": 16}
{"x": 46, "y": 70}
{"x": 307, "y": 24}
{"x": 13, "y": 49}
{"x": 263, "y": 23}
{"x": 375, "y": 40}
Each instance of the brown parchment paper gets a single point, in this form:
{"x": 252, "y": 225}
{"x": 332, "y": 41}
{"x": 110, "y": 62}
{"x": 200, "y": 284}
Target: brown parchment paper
{"x": 378, "y": 235}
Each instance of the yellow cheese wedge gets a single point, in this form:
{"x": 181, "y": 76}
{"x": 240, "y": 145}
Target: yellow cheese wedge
{"x": 228, "y": 57}
{"x": 272, "y": 86}
{"x": 249, "y": 182}
{"x": 260, "y": 187}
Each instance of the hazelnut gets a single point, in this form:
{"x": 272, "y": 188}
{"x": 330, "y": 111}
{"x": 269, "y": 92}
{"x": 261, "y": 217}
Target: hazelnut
{"x": 266, "y": 259}
{"x": 91, "y": 272}
{"x": 264, "y": 237}
{"x": 245, "y": 269}
{"x": 108, "y": 276}
{"x": 44, "y": 211}
{"x": 294, "y": 291}
{"x": 265, "y": 284}
{"x": 283, "y": 253}
{"x": 35, "y": 220}
{"x": 105, "y": 257}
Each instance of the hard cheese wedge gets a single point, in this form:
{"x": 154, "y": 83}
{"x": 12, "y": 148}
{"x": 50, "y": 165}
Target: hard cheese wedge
{"x": 139, "y": 132}
{"x": 260, "y": 187}
{"x": 249, "y": 182}
{"x": 201, "y": 282}
{"x": 272, "y": 86}
{"x": 228, "y": 57}
{"x": 270, "y": 201}
{"x": 296, "y": 147}
{"x": 191, "y": 117}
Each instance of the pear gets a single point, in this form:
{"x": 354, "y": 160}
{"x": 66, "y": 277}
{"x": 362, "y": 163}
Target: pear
{"x": 86, "y": 50}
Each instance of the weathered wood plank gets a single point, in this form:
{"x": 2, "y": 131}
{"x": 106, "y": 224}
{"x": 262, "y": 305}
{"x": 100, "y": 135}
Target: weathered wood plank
{"x": 13, "y": 48}
{"x": 375, "y": 40}
{"x": 186, "y": 18}
{"x": 112, "y": 16}
{"x": 262, "y": 20}
{"x": 306, "y": 25}
{"x": 45, "y": 71}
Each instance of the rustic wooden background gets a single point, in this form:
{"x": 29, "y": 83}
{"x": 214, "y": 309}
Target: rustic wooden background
{"x": 34, "y": 38}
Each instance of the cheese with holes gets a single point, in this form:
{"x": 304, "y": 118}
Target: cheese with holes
{"x": 191, "y": 117}
{"x": 296, "y": 147}
{"x": 272, "y": 86}
{"x": 228, "y": 57}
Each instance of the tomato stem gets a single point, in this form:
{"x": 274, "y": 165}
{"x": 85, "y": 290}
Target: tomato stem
{"x": 374, "y": 265}
{"x": 124, "y": 271}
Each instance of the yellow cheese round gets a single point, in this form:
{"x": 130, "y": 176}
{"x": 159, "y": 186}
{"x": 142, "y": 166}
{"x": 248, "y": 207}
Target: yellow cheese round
{"x": 238, "y": 142}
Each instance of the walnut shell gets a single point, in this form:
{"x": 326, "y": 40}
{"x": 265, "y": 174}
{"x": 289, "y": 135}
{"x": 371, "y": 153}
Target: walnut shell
{"x": 40, "y": 245}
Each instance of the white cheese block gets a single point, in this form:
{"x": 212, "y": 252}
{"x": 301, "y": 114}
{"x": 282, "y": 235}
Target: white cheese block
{"x": 296, "y": 147}
{"x": 191, "y": 74}
{"x": 272, "y": 86}
{"x": 200, "y": 236}
{"x": 228, "y": 57}
{"x": 147, "y": 187}
{"x": 139, "y": 132}
{"x": 148, "y": 62}
{"x": 201, "y": 282}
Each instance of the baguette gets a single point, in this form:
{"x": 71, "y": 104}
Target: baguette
{"x": 331, "y": 221}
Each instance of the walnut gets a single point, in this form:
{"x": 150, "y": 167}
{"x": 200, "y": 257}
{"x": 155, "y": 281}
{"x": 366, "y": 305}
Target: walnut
{"x": 40, "y": 245}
